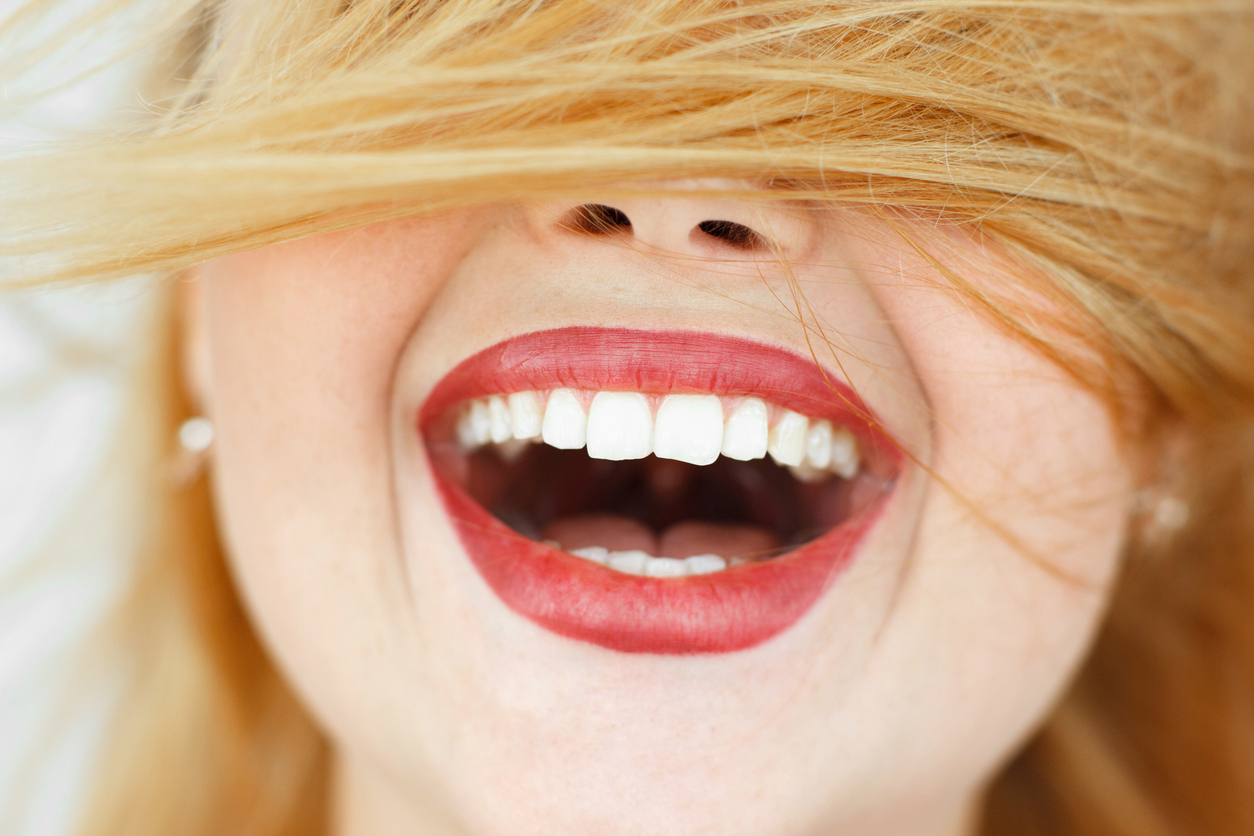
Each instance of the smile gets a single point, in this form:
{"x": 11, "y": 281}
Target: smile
{"x": 656, "y": 492}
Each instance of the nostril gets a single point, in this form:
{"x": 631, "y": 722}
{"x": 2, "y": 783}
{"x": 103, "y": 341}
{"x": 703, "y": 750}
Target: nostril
{"x": 733, "y": 234}
{"x": 597, "y": 219}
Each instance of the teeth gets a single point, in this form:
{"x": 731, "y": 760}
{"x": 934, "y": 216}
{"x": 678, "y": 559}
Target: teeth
{"x": 527, "y": 417}
{"x": 466, "y": 430}
{"x": 480, "y": 421}
{"x": 511, "y": 449}
{"x": 596, "y": 554}
{"x": 689, "y": 428}
{"x": 501, "y": 426}
{"x": 704, "y": 564}
{"x": 620, "y": 426}
{"x": 805, "y": 472}
{"x": 745, "y": 434}
{"x": 474, "y": 427}
{"x": 565, "y": 426}
{"x": 819, "y": 445}
{"x": 665, "y": 567}
{"x": 641, "y": 563}
{"x": 845, "y": 458}
{"x": 631, "y": 563}
{"x": 787, "y": 442}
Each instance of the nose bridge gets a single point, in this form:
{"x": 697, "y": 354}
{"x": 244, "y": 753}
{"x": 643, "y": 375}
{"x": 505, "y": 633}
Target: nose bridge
{"x": 700, "y": 225}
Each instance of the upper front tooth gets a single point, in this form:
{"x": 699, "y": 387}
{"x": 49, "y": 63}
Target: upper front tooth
{"x": 787, "y": 443}
{"x": 565, "y": 425}
{"x": 745, "y": 433}
{"x": 500, "y": 425}
{"x": 525, "y": 413}
{"x": 620, "y": 426}
{"x": 819, "y": 445}
{"x": 845, "y": 458}
{"x": 689, "y": 428}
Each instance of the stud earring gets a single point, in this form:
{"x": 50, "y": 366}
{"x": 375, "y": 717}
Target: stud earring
{"x": 196, "y": 434}
{"x": 195, "y": 437}
{"x": 1170, "y": 513}
{"x": 1161, "y": 514}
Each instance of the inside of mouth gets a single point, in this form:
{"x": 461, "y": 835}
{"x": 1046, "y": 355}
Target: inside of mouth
{"x": 740, "y": 511}
{"x": 747, "y": 510}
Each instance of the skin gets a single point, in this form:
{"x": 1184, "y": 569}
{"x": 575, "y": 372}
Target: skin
{"x": 884, "y": 711}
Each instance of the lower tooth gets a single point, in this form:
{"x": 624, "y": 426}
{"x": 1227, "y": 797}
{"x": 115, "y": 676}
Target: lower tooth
{"x": 665, "y": 567}
{"x": 636, "y": 562}
{"x": 632, "y": 562}
{"x": 642, "y": 563}
{"x": 704, "y": 564}
{"x": 596, "y": 554}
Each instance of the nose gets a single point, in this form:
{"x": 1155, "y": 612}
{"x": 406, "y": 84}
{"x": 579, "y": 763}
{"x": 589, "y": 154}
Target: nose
{"x": 697, "y": 226}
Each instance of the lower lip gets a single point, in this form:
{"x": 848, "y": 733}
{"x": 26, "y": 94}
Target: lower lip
{"x": 725, "y": 611}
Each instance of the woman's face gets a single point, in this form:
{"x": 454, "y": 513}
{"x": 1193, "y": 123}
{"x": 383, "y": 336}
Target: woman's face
{"x": 884, "y": 621}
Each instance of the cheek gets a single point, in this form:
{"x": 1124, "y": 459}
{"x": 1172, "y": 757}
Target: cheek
{"x": 1021, "y": 534}
{"x": 304, "y": 339}
{"x": 1023, "y": 452}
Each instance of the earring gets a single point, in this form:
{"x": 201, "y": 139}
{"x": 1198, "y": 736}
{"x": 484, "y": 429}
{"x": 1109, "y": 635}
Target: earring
{"x": 1161, "y": 515}
{"x": 1170, "y": 513}
{"x": 196, "y": 434}
{"x": 195, "y": 437}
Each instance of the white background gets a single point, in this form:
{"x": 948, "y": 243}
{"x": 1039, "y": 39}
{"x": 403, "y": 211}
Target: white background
{"x": 62, "y": 365}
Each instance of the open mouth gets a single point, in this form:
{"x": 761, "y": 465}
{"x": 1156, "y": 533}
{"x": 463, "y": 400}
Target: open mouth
{"x": 661, "y": 492}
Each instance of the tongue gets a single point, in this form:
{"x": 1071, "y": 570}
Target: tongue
{"x": 618, "y": 533}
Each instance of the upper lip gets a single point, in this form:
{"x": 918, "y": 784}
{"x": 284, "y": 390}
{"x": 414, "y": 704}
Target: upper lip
{"x": 731, "y": 610}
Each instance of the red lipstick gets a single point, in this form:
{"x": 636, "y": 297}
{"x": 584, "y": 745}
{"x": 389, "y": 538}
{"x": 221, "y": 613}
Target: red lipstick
{"x": 733, "y": 609}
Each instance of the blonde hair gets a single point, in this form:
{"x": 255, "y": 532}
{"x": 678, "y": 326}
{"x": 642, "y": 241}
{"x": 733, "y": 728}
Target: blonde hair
{"x": 1105, "y": 146}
